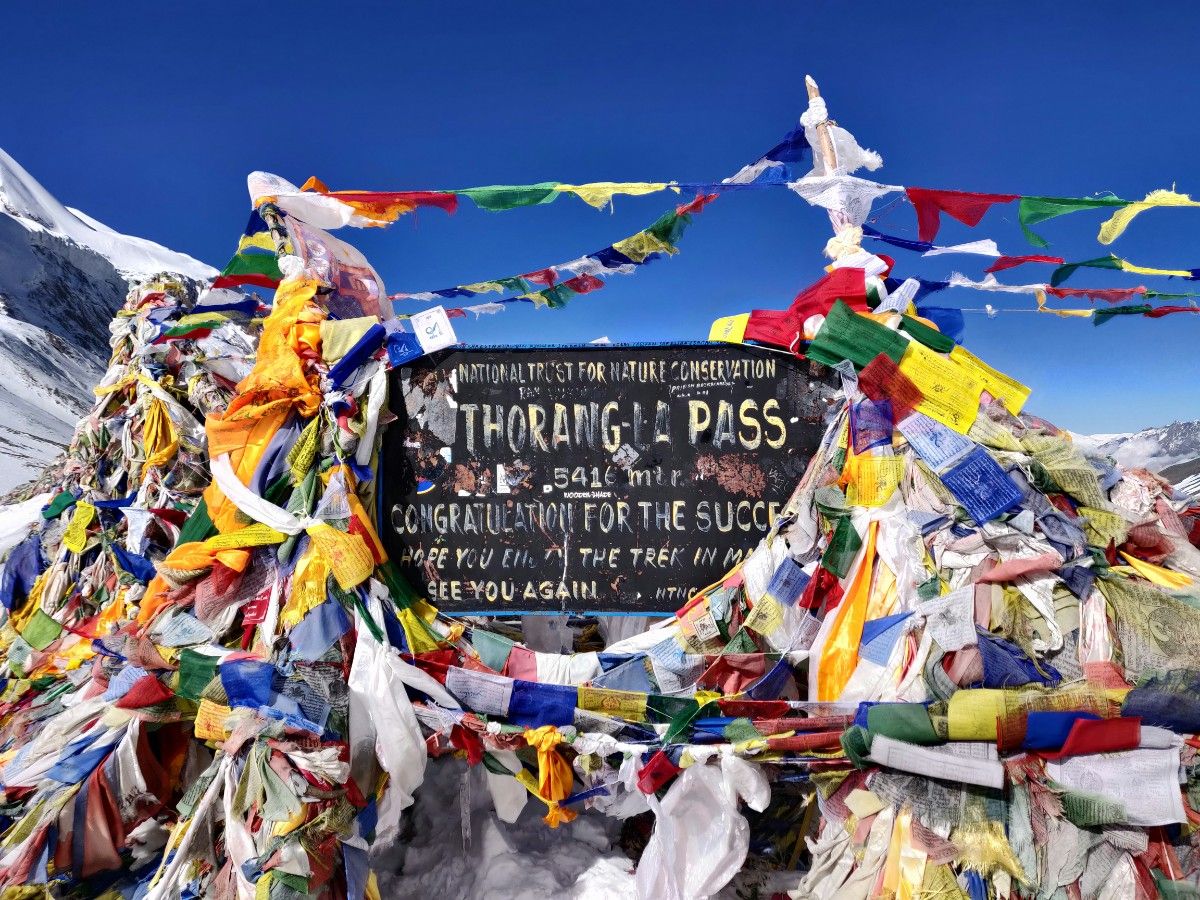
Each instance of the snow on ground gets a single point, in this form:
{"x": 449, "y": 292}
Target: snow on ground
{"x": 16, "y": 519}
{"x": 46, "y": 387}
{"x": 63, "y": 275}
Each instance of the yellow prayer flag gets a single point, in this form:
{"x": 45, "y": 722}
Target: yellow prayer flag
{"x": 729, "y": 329}
{"x": 873, "y": 479}
{"x": 767, "y": 616}
{"x": 484, "y": 287}
{"x": 1061, "y": 313}
{"x": 600, "y": 193}
{"x": 260, "y": 241}
{"x": 75, "y": 536}
{"x": 160, "y": 440}
{"x": 1127, "y": 266}
{"x": 950, "y": 391}
{"x": 1115, "y": 226}
{"x": 309, "y": 588}
{"x": 416, "y": 632}
{"x": 210, "y": 721}
{"x": 972, "y": 714}
{"x": 1164, "y": 578}
{"x": 347, "y": 555}
{"x": 638, "y": 246}
{"x": 1003, "y": 387}
{"x": 628, "y": 705}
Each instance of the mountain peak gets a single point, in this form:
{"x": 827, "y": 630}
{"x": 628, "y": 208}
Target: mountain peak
{"x": 63, "y": 275}
{"x": 24, "y": 199}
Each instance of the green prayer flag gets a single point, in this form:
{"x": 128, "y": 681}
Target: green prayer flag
{"x": 1063, "y": 272}
{"x": 1086, "y": 810}
{"x": 856, "y": 744}
{"x": 682, "y": 720}
{"x": 1100, "y": 316}
{"x": 669, "y": 227}
{"x": 493, "y": 765}
{"x": 493, "y": 649}
{"x": 1039, "y": 209}
{"x": 741, "y": 730}
{"x": 41, "y": 631}
{"x": 62, "y": 500}
{"x": 287, "y": 886}
{"x": 847, "y": 335}
{"x": 254, "y": 264}
{"x": 1174, "y": 890}
{"x": 499, "y": 197}
{"x": 515, "y": 285}
{"x": 907, "y": 722}
{"x": 557, "y": 296}
{"x": 196, "y": 670}
{"x": 930, "y": 337}
{"x": 927, "y": 590}
{"x": 741, "y": 643}
{"x": 663, "y": 709}
{"x": 197, "y": 527}
{"x": 843, "y": 547}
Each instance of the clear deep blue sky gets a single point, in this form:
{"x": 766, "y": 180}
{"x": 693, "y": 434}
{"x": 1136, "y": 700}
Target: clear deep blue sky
{"x": 148, "y": 117}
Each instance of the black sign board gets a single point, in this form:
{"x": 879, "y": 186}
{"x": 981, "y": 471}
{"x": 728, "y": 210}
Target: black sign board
{"x": 614, "y": 479}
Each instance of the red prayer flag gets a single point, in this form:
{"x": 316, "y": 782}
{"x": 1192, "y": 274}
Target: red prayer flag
{"x": 1160, "y": 311}
{"x": 1100, "y": 736}
{"x": 146, "y": 691}
{"x": 964, "y": 206}
{"x": 584, "y": 284}
{"x": 228, "y": 281}
{"x": 1008, "y": 262}
{"x": 701, "y": 201}
{"x": 731, "y": 673}
{"x": 1108, "y": 295}
{"x": 782, "y": 328}
{"x": 547, "y": 277}
{"x": 881, "y": 379}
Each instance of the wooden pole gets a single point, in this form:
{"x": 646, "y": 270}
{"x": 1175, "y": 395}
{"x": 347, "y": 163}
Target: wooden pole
{"x": 823, "y": 139}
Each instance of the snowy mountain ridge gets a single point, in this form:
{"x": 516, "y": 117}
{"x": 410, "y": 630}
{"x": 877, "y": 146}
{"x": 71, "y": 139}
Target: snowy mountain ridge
{"x": 63, "y": 275}
{"x": 1156, "y": 449}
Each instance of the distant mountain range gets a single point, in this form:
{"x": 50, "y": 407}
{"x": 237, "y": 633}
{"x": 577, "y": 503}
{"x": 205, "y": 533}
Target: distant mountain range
{"x": 62, "y": 277}
{"x": 1173, "y": 451}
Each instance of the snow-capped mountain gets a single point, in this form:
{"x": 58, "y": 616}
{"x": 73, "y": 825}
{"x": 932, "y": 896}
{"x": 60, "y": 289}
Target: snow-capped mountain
{"x": 62, "y": 277}
{"x": 1173, "y": 451}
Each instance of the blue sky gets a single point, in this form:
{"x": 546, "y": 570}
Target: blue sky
{"x": 148, "y": 117}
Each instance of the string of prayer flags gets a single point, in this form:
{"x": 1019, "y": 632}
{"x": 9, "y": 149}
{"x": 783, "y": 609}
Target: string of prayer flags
{"x": 1034, "y": 210}
{"x": 964, "y": 206}
{"x": 554, "y": 286}
{"x": 1063, "y": 272}
{"x": 920, "y": 557}
{"x": 314, "y": 203}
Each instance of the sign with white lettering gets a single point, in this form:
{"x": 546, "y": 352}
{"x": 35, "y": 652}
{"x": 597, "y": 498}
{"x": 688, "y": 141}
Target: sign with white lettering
{"x": 598, "y": 478}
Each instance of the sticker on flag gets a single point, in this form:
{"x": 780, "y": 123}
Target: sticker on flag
{"x": 433, "y": 329}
